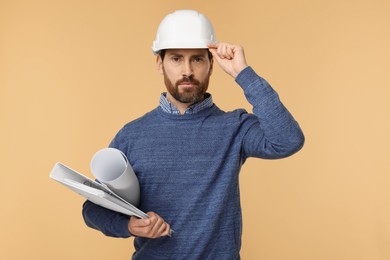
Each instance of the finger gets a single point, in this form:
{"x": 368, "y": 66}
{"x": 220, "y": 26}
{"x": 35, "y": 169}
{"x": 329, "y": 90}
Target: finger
{"x": 156, "y": 227}
{"x": 162, "y": 229}
{"x": 167, "y": 231}
{"x": 217, "y": 49}
{"x": 229, "y": 52}
{"x": 221, "y": 51}
{"x": 224, "y": 51}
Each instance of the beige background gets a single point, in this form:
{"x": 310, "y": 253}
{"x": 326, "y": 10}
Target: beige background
{"x": 73, "y": 72}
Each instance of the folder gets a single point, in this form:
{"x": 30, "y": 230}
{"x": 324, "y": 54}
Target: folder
{"x": 94, "y": 191}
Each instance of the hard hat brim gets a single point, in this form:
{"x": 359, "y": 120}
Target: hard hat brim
{"x": 183, "y": 45}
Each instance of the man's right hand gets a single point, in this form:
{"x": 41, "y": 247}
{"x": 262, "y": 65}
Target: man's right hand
{"x": 153, "y": 227}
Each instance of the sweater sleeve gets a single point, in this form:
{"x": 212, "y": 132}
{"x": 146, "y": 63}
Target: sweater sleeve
{"x": 109, "y": 222}
{"x": 273, "y": 132}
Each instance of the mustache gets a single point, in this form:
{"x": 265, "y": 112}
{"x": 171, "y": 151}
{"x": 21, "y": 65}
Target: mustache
{"x": 188, "y": 80}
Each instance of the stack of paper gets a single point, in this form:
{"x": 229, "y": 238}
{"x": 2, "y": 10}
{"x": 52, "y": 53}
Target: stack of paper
{"x": 94, "y": 191}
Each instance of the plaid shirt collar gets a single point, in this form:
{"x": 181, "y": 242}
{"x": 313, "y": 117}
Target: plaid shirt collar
{"x": 167, "y": 107}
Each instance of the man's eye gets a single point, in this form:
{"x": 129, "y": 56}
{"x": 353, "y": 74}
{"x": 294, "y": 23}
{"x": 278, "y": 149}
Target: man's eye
{"x": 175, "y": 59}
{"x": 198, "y": 59}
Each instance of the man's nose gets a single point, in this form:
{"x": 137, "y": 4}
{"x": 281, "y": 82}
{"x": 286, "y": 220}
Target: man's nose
{"x": 187, "y": 69}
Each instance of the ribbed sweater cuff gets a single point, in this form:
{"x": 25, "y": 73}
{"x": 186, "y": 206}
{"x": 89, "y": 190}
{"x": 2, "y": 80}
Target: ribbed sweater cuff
{"x": 246, "y": 77}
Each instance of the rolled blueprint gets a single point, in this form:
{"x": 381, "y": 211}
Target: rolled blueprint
{"x": 112, "y": 168}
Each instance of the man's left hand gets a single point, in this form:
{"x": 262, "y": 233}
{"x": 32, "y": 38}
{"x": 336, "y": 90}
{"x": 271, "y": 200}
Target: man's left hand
{"x": 231, "y": 58}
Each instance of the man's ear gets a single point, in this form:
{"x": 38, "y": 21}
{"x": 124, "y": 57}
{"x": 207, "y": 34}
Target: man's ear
{"x": 159, "y": 64}
{"x": 211, "y": 67}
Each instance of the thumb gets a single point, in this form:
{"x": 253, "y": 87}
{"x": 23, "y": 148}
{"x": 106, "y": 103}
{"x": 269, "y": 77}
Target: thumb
{"x": 140, "y": 222}
{"x": 212, "y": 46}
{"x": 214, "y": 52}
{"x": 212, "y": 49}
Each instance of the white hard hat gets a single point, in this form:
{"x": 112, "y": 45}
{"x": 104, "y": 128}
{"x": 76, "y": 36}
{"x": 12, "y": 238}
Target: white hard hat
{"x": 184, "y": 29}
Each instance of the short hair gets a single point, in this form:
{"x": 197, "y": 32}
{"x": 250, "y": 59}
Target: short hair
{"x": 162, "y": 54}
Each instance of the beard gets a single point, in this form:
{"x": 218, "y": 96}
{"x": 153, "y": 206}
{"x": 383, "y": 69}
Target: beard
{"x": 188, "y": 96}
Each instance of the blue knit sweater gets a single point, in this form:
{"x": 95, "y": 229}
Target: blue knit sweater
{"x": 188, "y": 168}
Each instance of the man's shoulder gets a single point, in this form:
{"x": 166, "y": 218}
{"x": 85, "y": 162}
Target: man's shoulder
{"x": 142, "y": 121}
{"x": 232, "y": 114}
{"x": 228, "y": 118}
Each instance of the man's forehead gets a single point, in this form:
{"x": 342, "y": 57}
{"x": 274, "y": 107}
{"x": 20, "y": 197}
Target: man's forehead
{"x": 185, "y": 52}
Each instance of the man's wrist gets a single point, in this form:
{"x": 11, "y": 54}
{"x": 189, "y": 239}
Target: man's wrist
{"x": 239, "y": 71}
{"x": 244, "y": 74}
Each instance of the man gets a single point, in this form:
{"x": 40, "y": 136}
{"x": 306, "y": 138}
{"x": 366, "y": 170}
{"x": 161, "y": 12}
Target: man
{"x": 187, "y": 153}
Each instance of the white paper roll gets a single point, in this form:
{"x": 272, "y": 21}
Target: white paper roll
{"x": 111, "y": 167}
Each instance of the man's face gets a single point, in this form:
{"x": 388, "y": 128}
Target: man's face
{"x": 186, "y": 73}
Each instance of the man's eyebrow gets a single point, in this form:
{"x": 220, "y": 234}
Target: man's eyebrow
{"x": 175, "y": 54}
{"x": 200, "y": 55}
